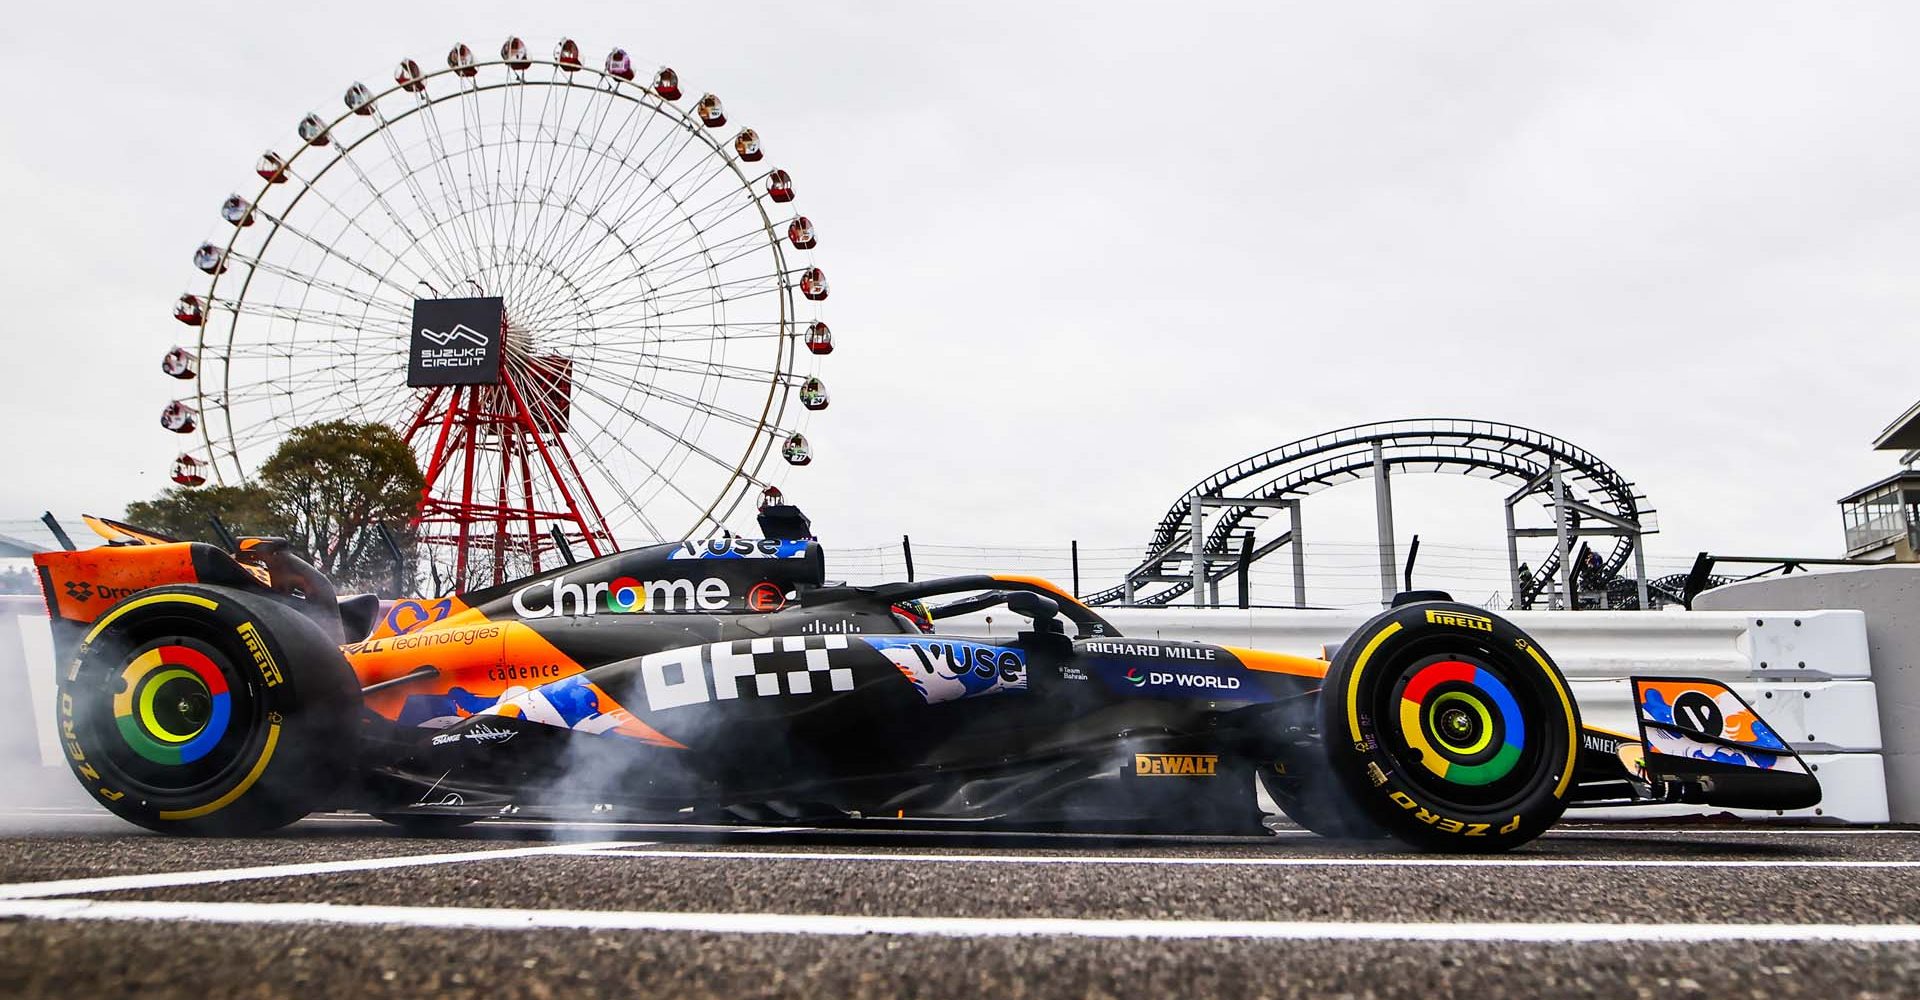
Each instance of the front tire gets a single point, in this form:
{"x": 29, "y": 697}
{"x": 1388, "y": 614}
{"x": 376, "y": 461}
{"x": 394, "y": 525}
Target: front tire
{"x": 1450, "y": 728}
{"x": 208, "y": 710}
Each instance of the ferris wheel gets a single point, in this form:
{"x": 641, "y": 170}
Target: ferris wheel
{"x": 583, "y": 297}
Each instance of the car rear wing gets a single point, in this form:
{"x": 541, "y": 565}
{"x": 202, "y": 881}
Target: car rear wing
{"x": 79, "y": 586}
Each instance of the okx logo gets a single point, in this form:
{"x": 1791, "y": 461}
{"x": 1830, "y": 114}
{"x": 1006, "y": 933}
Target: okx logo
{"x": 745, "y": 668}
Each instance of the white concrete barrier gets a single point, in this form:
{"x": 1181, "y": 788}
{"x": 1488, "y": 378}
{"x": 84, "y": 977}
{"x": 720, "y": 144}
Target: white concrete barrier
{"x": 1587, "y": 644}
{"x": 26, "y": 683}
{"x": 1888, "y": 596}
{"x": 1806, "y": 672}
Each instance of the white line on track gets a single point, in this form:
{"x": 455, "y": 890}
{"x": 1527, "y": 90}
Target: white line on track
{"x": 164, "y": 880}
{"x": 1746, "y": 830}
{"x": 1316, "y": 861}
{"x": 478, "y": 918}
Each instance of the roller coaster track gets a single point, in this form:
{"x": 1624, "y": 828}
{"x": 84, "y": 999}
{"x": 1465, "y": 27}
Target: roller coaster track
{"x": 1501, "y": 452}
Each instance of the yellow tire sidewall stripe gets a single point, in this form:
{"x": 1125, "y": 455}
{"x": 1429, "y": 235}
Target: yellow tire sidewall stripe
{"x": 1573, "y": 724}
{"x": 1353, "y": 679}
{"x": 234, "y": 793}
{"x": 110, "y": 617}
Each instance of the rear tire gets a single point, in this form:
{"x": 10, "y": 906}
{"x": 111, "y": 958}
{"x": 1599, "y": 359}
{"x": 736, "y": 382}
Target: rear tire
{"x": 1450, "y": 728}
{"x": 208, "y": 710}
{"x": 1322, "y": 806}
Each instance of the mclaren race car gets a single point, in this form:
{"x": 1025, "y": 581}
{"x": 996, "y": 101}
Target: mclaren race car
{"x": 203, "y": 690}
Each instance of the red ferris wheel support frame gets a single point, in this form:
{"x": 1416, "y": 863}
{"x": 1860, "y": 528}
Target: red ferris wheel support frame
{"x": 490, "y": 431}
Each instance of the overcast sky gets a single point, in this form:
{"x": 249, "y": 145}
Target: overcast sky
{"x": 1084, "y": 255}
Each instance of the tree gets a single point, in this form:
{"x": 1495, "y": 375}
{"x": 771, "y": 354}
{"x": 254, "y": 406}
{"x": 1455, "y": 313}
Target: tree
{"x": 186, "y": 514}
{"x": 334, "y": 485}
{"x": 328, "y": 489}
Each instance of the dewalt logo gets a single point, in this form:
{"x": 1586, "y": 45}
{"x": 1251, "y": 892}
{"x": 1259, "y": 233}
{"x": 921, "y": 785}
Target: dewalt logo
{"x": 1478, "y": 623}
{"x": 1175, "y": 765}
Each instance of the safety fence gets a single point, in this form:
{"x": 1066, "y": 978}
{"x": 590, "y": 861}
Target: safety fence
{"x": 1338, "y": 573}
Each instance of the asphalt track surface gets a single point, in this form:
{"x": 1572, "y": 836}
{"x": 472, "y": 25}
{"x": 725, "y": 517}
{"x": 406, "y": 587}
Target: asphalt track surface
{"x": 340, "y": 906}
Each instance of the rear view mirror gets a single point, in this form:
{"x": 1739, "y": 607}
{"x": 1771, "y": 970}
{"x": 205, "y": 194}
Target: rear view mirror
{"x": 1034, "y": 606}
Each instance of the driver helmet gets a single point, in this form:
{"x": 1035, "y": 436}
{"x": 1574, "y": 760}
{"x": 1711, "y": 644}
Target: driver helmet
{"x": 916, "y": 613}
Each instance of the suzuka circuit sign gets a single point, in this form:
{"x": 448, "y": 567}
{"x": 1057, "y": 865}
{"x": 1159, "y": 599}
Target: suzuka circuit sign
{"x": 455, "y": 342}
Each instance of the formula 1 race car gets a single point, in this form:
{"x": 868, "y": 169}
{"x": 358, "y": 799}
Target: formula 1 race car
{"x": 207, "y": 691}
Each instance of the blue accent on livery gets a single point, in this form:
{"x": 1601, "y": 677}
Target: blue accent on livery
{"x": 1656, "y": 707}
{"x": 1738, "y": 758}
{"x": 459, "y": 701}
{"x": 741, "y": 548}
{"x": 406, "y": 616}
{"x": 572, "y": 698}
{"x": 1764, "y": 736}
{"x": 980, "y": 667}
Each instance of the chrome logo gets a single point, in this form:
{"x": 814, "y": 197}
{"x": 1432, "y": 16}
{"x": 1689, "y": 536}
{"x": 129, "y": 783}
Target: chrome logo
{"x": 626, "y": 594}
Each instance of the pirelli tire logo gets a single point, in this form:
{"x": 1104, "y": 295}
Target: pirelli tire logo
{"x": 257, "y": 645}
{"x": 1457, "y": 619}
{"x": 1175, "y": 765}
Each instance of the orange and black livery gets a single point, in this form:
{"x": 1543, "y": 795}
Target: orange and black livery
{"x": 206, "y": 690}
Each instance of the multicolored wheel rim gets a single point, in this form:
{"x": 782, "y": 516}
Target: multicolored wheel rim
{"x": 173, "y": 705}
{"x": 1463, "y": 721}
